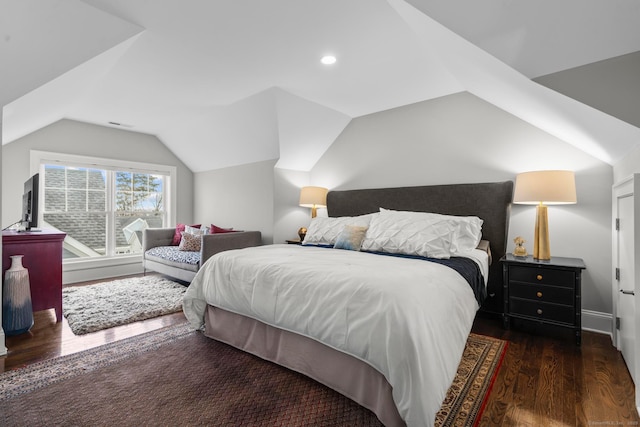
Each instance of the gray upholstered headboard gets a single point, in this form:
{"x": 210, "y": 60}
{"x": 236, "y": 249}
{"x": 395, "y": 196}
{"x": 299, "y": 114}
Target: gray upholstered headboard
{"x": 489, "y": 201}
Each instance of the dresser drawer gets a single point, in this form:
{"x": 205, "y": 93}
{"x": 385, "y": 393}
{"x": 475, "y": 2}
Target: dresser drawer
{"x": 542, "y": 293}
{"x": 544, "y": 276}
{"x": 542, "y": 311}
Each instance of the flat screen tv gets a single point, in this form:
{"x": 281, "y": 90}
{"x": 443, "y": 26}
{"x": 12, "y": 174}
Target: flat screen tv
{"x": 30, "y": 203}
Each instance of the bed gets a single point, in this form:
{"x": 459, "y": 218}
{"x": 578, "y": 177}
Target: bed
{"x": 386, "y": 330}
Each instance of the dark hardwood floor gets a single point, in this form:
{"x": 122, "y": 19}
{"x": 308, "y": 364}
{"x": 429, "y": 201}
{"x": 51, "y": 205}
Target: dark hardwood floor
{"x": 48, "y": 339}
{"x": 545, "y": 380}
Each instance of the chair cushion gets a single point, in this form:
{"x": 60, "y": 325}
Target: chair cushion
{"x": 171, "y": 255}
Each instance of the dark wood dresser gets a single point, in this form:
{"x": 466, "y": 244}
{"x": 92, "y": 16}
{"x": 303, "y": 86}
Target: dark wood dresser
{"x": 42, "y": 252}
{"x": 547, "y": 292}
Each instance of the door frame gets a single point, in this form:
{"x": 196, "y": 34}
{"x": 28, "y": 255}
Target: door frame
{"x": 626, "y": 188}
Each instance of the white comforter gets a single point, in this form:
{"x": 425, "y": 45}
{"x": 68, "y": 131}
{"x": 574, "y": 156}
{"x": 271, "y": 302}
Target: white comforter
{"x": 408, "y": 318}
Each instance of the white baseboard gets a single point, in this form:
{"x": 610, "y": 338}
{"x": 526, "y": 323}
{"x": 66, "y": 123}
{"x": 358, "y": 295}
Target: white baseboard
{"x": 3, "y": 349}
{"x": 595, "y": 321}
{"x": 100, "y": 269}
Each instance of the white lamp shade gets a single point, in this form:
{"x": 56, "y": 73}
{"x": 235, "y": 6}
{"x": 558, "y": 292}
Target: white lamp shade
{"x": 313, "y": 197}
{"x": 553, "y": 187}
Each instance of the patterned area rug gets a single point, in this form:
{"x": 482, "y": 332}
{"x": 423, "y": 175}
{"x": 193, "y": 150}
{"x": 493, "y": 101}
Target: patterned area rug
{"x": 472, "y": 384}
{"x": 177, "y": 377}
{"x": 104, "y": 305}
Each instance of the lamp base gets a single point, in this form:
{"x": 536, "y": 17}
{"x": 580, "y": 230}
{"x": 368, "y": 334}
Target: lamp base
{"x": 541, "y": 249}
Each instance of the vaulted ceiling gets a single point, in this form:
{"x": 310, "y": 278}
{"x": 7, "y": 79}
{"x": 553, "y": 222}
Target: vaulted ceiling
{"x": 227, "y": 82}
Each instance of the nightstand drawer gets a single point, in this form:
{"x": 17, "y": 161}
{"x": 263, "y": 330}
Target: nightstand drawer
{"x": 542, "y": 293}
{"x": 542, "y": 275}
{"x": 542, "y": 311}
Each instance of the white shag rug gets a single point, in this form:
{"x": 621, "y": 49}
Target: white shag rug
{"x": 91, "y": 308}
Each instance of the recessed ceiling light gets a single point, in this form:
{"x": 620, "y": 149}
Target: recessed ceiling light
{"x": 328, "y": 60}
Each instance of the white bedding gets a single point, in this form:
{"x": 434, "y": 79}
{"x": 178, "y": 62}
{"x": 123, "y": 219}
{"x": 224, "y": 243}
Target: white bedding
{"x": 408, "y": 318}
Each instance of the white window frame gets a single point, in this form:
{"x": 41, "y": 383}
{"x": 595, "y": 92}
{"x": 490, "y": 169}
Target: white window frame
{"x": 39, "y": 158}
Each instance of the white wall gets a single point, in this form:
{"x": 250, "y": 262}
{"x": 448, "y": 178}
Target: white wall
{"x": 256, "y": 196}
{"x": 460, "y": 138}
{"x": 627, "y": 166}
{"x": 72, "y": 137}
{"x": 288, "y": 215}
{"x": 240, "y": 197}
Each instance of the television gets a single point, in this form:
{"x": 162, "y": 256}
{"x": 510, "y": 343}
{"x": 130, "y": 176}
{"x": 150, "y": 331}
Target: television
{"x": 30, "y": 203}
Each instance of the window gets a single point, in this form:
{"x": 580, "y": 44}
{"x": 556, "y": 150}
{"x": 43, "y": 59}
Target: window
{"x": 105, "y": 206}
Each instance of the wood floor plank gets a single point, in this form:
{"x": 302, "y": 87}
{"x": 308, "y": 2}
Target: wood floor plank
{"x": 613, "y": 382}
{"x": 568, "y": 395}
{"x": 547, "y": 406}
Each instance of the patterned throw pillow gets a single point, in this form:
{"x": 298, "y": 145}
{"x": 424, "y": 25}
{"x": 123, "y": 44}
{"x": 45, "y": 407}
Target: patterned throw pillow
{"x": 351, "y": 237}
{"x": 177, "y": 236}
{"x": 190, "y": 242}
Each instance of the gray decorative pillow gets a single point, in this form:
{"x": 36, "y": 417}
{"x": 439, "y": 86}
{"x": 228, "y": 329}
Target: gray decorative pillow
{"x": 190, "y": 242}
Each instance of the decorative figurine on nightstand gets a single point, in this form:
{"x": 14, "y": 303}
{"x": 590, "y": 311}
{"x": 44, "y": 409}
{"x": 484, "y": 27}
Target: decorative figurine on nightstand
{"x": 519, "y": 250}
{"x": 302, "y": 232}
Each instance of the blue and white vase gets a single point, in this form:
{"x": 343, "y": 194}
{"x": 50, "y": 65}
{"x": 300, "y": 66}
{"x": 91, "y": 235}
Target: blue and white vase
{"x": 17, "y": 312}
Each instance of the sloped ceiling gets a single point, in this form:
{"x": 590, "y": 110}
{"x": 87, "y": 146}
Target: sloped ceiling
{"x": 230, "y": 82}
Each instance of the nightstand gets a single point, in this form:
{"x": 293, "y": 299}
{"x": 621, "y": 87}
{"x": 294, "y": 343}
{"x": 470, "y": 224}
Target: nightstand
{"x": 294, "y": 242}
{"x": 547, "y": 292}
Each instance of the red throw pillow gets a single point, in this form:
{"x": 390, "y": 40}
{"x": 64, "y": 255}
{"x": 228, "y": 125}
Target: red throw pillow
{"x": 215, "y": 229}
{"x": 177, "y": 236}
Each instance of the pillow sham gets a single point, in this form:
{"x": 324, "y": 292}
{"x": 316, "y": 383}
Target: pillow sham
{"x": 399, "y": 233}
{"x": 351, "y": 237}
{"x": 467, "y": 229}
{"x": 190, "y": 242}
{"x": 325, "y": 230}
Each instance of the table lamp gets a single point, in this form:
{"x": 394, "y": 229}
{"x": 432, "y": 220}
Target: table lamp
{"x": 313, "y": 197}
{"x": 542, "y": 188}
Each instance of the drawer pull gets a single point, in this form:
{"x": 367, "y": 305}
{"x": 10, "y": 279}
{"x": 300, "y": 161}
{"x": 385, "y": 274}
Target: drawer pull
{"x": 539, "y": 311}
{"x": 539, "y": 294}
{"x": 539, "y": 277}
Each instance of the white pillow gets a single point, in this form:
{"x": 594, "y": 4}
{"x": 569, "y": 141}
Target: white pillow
{"x": 193, "y": 230}
{"x": 468, "y": 233}
{"x": 467, "y": 229}
{"x": 404, "y": 233}
{"x": 325, "y": 230}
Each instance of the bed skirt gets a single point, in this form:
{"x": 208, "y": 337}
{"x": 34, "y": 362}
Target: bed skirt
{"x": 339, "y": 371}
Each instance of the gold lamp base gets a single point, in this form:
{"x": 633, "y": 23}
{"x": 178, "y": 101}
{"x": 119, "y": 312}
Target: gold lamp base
{"x": 541, "y": 248}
